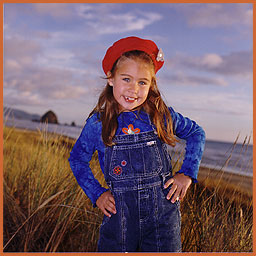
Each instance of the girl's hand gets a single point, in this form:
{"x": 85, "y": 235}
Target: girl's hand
{"x": 106, "y": 203}
{"x": 180, "y": 184}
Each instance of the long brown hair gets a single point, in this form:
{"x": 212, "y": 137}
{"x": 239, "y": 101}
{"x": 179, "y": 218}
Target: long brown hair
{"x": 108, "y": 108}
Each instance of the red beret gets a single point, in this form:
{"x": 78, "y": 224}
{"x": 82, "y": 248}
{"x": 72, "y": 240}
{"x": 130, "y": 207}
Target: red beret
{"x": 129, "y": 44}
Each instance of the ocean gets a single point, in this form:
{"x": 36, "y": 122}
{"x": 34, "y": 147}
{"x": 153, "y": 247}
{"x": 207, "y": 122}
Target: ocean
{"x": 226, "y": 156}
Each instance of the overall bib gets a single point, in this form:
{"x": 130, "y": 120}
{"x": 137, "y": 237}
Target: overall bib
{"x": 136, "y": 168}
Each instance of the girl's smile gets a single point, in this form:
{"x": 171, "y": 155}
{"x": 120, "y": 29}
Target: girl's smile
{"x": 131, "y": 83}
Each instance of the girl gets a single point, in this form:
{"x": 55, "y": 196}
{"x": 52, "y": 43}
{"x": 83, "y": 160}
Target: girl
{"x": 130, "y": 127}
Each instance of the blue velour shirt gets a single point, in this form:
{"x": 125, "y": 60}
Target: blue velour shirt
{"x": 90, "y": 140}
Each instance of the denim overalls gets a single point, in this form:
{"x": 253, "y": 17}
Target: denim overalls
{"x": 136, "y": 168}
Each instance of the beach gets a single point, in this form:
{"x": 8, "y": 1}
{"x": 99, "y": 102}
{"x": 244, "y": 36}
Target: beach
{"x": 235, "y": 181}
{"x": 208, "y": 175}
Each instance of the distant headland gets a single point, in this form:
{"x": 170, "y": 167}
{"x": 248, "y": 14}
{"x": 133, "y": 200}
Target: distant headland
{"x": 49, "y": 117}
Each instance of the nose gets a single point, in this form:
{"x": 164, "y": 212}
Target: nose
{"x": 134, "y": 87}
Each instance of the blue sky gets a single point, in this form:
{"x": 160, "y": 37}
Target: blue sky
{"x": 53, "y": 54}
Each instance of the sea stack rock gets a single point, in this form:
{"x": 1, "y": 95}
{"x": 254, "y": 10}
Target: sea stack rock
{"x": 49, "y": 117}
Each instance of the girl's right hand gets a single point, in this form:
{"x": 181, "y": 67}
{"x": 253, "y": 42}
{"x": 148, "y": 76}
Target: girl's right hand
{"x": 106, "y": 203}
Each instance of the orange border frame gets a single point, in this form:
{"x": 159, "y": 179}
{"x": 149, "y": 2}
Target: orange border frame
{"x": 120, "y": 1}
{"x": 1, "y": 132}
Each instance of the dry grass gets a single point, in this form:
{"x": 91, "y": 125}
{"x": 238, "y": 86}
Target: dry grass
{"x": 217, "y": 219}
{"x": 46, "y": 211}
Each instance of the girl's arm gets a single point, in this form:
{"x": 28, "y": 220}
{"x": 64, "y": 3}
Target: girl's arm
{"x": 188, "y": 130}
{"x": 81, "y": 155}
{"x": 194, "y": 135}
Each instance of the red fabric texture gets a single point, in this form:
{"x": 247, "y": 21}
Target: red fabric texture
{"x": 129, "y": 44}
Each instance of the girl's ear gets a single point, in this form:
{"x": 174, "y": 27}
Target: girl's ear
{"x": 110, "y": 79}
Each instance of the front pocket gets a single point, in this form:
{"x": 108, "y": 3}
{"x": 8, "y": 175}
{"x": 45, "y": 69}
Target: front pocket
{"x": 105, "y": 220}
{"x": 129, "y": 161}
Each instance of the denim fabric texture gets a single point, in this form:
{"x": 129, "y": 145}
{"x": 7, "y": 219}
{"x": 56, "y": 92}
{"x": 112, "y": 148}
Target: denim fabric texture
{"x": 136, "y": 168}
{"x": 90, "y": 140}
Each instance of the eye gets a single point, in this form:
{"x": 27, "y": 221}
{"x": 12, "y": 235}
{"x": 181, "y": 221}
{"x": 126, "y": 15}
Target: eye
{"x": 142, "y": 83}
{"x": 126, "y": 79}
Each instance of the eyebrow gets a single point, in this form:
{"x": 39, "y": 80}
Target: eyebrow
{"x": 131, "y": 76}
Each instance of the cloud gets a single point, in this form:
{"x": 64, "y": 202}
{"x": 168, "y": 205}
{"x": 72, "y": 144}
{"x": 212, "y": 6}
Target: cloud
{"x": 216, "y": 15}
{"x": 49, "y": 83}
{"x": 234, "y": 64}
{"x": 237, "y": 103}
{"x": 211, "y": 60}
{"x": 107, "y": 21}
{"x": 181, "y": 78}
{"x": 98, "y": 19}
{"x": 21, "y": 50}
{"x": 43, "y": 87}
{"x": 29, "y": 83}
{"x": 69, "y": 92}
{"x": 214, "y": 69}
{"x": 22, "y": 98}
{"x": 56, "y": 10}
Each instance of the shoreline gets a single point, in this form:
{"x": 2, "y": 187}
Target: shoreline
{"x": 207, "y": 175}
{"x": 212, "y": 176}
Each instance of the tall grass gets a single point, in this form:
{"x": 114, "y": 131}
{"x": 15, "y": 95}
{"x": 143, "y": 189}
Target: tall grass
{"x": 217, "y": 220}
{"x": 46, "y": 211}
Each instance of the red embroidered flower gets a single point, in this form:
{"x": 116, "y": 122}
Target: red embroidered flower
{"x": 123, "y": 163}
{"x": 131, "y": 130}
{"x": 117, "y": 170}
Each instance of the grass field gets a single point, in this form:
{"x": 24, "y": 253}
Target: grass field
{"x": 46, "y": 211}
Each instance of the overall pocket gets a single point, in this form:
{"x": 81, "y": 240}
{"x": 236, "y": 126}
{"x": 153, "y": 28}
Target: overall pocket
{"x": 137, "y": 160}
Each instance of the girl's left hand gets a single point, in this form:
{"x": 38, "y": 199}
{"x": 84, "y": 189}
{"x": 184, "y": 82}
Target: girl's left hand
{"x": 180, "y": 184}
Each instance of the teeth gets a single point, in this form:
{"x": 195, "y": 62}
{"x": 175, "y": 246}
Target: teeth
{"x": 130, "y": 98}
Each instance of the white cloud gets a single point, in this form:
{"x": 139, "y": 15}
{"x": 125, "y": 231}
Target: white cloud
{"x": 211, "y": 60}
{"x": 25, "y": 78}
{"x": 181, "y": 78}
{"x": 121, "y": 23}
{"x": 234, "y": 64}
{"x": 22, "y": 98}
{"x": 217, "y": 102}
{"x": 99, "y": 18}
{"x": 42, "y": 34}
{"x": 43, "y": 85}
{"x": 84, "y": 11}
{"x": 105, "y": 19}
{"x": 11, "y": 64}
{"x": 215, "y": 15}
{"x": 209, "y": 69}
{"x": 56, "y": 10}
{"x": 22, "y": 50}
{"x": 68, "y": 92}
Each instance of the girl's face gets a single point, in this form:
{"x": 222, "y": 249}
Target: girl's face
{"x": 131, "y": 83}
